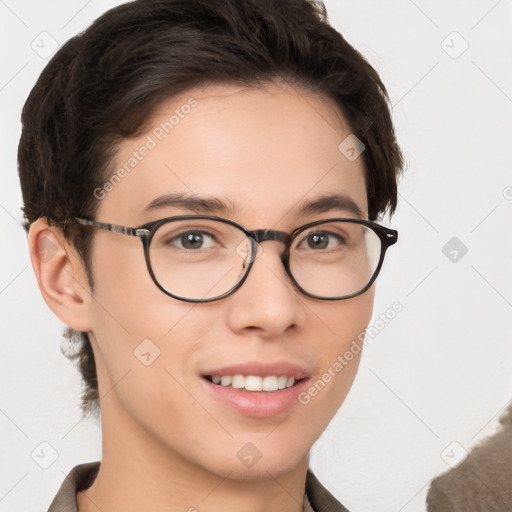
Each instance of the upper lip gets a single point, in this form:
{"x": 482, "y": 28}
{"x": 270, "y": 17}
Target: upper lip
{"x": 262, "y": 369}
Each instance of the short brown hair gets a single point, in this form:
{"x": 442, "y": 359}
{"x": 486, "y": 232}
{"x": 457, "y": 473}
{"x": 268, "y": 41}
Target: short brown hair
{"x": 103, "y": 85}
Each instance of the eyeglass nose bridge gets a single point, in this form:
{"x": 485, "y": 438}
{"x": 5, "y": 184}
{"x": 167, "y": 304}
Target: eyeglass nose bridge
{"x": 261, "y": 235}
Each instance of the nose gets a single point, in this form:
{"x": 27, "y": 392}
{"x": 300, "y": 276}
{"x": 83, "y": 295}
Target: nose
{"x": 267, "y": 303}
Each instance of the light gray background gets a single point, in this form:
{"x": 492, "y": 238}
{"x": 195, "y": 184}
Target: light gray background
{"x": 432, "y": 382}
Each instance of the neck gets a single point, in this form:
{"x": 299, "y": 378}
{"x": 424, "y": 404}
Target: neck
{"x": 139, "y": 473}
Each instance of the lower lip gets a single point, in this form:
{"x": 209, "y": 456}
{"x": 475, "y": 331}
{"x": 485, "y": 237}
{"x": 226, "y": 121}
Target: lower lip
{"x": 258, "y": 404}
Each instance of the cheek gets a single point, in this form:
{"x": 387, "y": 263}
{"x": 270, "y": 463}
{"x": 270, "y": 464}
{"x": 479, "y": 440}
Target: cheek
{"x": 133, "y": 321}
{"x": 144, "y": 343}
{"x": 341, "y": 348}
{"x": 343, "y": 321}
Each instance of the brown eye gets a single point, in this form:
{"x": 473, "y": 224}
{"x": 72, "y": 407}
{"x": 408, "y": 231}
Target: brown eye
{"x": 193, "y": 240}
{"x": 319, "y": 240}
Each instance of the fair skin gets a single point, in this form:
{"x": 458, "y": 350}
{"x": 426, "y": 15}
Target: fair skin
{"x": 169, "y": 444}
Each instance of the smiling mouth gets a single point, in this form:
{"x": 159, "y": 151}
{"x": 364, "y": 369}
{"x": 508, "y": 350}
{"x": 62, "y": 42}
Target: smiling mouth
{"x": 269, "y": 383}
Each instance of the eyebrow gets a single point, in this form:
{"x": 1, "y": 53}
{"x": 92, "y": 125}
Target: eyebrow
{"x": 207, "y": 205}
{"x": 327, "y": 203}
{"x": 193, "y": 203}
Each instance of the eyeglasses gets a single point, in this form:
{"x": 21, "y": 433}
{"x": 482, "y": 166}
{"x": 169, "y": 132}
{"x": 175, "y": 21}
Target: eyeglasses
{"x": 201, "y": 258}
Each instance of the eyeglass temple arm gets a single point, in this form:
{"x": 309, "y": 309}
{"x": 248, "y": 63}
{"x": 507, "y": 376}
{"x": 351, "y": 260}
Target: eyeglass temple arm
{"x": 115, "y": 228}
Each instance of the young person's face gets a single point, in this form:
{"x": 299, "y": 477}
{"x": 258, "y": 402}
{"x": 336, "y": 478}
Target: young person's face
{"x": 265, "y": 151}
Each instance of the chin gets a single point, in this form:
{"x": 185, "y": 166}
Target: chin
{"x": 250, "y": 463}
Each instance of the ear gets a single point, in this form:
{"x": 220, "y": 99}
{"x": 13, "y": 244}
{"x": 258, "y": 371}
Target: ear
{"x": 60, "y": 274}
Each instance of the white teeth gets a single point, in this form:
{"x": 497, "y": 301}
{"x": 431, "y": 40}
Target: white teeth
{"x": 281, "y": 382}
{"x": 270, "y": 383}
{"x": 238, "y": 381}
{"x": 225, "y": 381}
{"x": 254, "y": 382}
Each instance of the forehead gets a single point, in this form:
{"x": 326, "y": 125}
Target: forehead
{"x": 260, "y": 150}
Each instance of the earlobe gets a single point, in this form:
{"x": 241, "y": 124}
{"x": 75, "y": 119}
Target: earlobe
{"x": 60, "y": 275}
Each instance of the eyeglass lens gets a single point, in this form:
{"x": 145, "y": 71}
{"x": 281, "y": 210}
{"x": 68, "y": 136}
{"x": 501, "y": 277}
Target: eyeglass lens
{"x": 203, "y": 259}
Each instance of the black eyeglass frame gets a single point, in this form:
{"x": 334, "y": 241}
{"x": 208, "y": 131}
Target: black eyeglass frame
{"x": 145, "y": 232}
